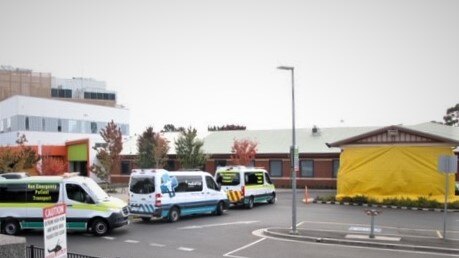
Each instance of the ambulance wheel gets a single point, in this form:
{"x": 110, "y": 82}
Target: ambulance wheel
{"x": 174, "y": 214}
{"x": 11, "y": 227}
{"x": 99, "y": 227}
{"x": 273, "y": 199}
{"x": 249, "y": 205}
{"x": 146, "y": 219}
{"x": 219, "y": 209}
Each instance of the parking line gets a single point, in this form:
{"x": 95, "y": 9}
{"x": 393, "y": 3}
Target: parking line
{"x": 439, "y": 234}
{"x": 186, "y": 249}
{"x": 229, "y": 254}
{"x": 109, "y": 238}
{"x": 157, "y": 245}
{"x": 131, "y": 241}
{"x": 220, "y": 224}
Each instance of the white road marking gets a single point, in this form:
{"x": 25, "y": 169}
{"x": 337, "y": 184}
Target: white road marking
{"x": 221, "y": 224}
{"x": 383, "y": 238}
{"x": 186, "y": 249}
{"x": 109, "y": 238}
{"x": 439, "y": 234}
{"x": 131, "y": 241}
{"x": 157, "y": 245}
{"x": 229, "y": 254}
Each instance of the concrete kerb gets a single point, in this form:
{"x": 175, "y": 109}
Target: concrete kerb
{"x": 321, "y": 237}
{"x": 383, "y": 206}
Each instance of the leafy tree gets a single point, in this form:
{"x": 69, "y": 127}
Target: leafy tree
{"x": 146, "y": 148}
{"x": 108, "y": 155}
{"x": 19, "y": 157}
{"x": 243, "y": 152}
{"x": 161, "y": 147}
{"x": 53, "y": 166}
{"x": 452, "y": 116}
{"x": 189, "y": 149}
{"x": 172, "y": 128}
{"x": 226, "y": 128}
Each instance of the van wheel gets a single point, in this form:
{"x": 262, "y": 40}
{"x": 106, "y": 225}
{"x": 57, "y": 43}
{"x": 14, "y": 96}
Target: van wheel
{"x": 249, "y": 205}
{"x": 174, "y": 214}
{"x": 219, "y": 209}
{"x": 11, "y": 227}
{"x": 273, "y": 199}
{"x": 99, "y": 227}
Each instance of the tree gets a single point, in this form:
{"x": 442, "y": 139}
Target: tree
{"x": 146, "y": 148}
{"x": 161, "y": 147}
{"x": 243, "y": 152}
{"x": 18, "y": 158}
{"x": 53, "y": 166}
{"x": 108, "y": 155}
{"x": 172, "y": 128}
{"x": 188, "y": 148}
{"x": 226, "y": 128}
{"x": 452, "y": 116}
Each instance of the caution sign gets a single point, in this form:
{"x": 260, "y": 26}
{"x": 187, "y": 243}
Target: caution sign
{"x": 55, "y": 231}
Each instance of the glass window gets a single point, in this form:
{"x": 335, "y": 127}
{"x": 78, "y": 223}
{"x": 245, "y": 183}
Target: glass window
{"x": 27, "y": 124}
{"x": 254, "y": 178}
{"x": 228, "y": 178}
{"x": 335, "y": 167}
{"x": 73, "y": 126}
{"x": 142, "y": 185}
{"x": 1, "y": 126}
{"x": 211, "y": 183}
{"x": 8, "y": 124}
{"x": 59, "y": 125}
{"x": 43, "y": 124}
{"x": 39, "y": 192}
{"x": 125, "y": 167}
{"x": 220, "y": 163}
{"x": 78, "y": 194}
{"x": 268, "y": 179}
{"x": 307, "y": 168}
{"x": 275, "y": 167}
{"x": 93, "y": 127}
{"x": 13, "y": 192}
{"x": 189, "y": 184}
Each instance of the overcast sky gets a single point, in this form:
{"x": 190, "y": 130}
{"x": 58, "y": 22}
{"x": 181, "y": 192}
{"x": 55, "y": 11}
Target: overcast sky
{"x": 199, "y": 63}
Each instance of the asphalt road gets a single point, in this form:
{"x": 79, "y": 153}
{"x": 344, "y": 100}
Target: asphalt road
{"x": 232, "y": 234}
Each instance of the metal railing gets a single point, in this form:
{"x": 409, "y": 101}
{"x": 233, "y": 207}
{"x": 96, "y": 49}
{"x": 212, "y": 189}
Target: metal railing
{"x": 37, "y": 252}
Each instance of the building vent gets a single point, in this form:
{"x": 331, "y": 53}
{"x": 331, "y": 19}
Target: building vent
{"x": 392, "y": 132}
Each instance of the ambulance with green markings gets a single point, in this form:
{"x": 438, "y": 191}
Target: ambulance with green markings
{"x": 246, "y": 185}
{"x": 89, "y": 208}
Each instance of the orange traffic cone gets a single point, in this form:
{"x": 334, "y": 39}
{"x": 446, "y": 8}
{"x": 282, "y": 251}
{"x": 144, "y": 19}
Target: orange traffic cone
{"x": 306, "y": 198}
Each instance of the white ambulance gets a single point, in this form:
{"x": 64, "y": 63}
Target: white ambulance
{"x": 246, "y": 185}
{"x": 163, "y": 194}
{"x": 89, "y": 208}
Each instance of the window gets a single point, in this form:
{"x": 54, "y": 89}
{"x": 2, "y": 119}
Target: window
{"x": 254, "y": 178}
{"x": 189, "y": 184}
{"x": 125, "y": 167}
{"x": 8, "y": 124}
{"x": 220, "y": 163}
{"x": 27, "y": 124}
{"x": 275, "y": 167}
{"x": 78, "y": 194}
{"x": 170, "y": 165}
{"x": 211, "y": 183}
{"x": 73, "y": 126}
{"x": 335, "y": 167}
{"x": 228, "y": 178}
{"x": 42, "y": 192}
{"x": 307, "y": 168}
{"x": 13, "y": 192}
{"x": 93, "y": 127}
{"x": 1, "y": 126}
{"x": 43, "y": 124}
{"x": 59, "y": 125}
{"x": 268, "y": 179}
{"x": 142, "y": 185}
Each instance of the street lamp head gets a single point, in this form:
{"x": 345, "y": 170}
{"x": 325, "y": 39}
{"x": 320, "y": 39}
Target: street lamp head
{"x": 290, "y": 68}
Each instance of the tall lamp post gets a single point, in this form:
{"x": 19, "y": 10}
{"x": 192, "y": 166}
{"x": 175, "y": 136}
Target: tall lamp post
{"x": 294, "y": 161}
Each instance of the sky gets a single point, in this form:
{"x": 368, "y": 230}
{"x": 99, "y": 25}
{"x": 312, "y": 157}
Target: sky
{"x": 213, "y": 62}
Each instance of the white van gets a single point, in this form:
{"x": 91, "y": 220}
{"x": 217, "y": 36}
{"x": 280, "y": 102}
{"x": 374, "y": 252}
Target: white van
{"x": 162, "y": 194}
{"x": 88, "y": 206}
{"x": 246, "y": 185}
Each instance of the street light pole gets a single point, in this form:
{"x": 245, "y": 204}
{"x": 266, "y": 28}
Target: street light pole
{"x": 294, "y": 161}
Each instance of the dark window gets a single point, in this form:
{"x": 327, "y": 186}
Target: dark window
{"x": 220, "y": 163}
{"x": 54, "y": 93}
{"x": 275, "y": 167}
{"x": 27, "y": 124}
{"x": 87, "y": 95}
{"x": 59, "y": 125}
{"x": 40, "y": 192}
{"x": 142, "y": 185}
{"x": 307, "y": 168}
{"x": 93, "y": 127}
{"x": 170, "y": 165}
{"x": 43, "y": 124}
{"x": 125, "y": 167}
{"x": 211, "y": 183}
{"x": 78, "y": 194}
{"x": 189, "y": 184}
{"x": 335, "y": 167}
{"x": 268, "y": 179}
{"x": 93, "y": 95}
{"x": 253, "y": 178}
{"x": 228, "y": 178}
{"x": 13, "y": 192}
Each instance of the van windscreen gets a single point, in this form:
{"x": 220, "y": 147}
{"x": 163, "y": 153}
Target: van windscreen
{"x": 228, "y": 178}
{"x": 142, "y": 185}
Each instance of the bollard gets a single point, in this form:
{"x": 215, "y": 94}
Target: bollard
{"x": 372, "y": 213}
